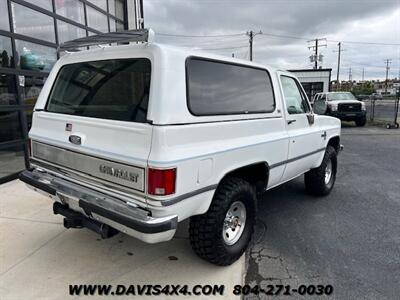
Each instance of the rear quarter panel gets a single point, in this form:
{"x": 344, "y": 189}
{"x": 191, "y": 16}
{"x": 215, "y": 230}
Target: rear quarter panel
{"x": 204, "y": 153}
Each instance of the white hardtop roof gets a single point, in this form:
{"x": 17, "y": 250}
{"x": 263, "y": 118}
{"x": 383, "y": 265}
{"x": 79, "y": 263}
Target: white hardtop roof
{"x": 120, "y": 51}
{"x": 168, "y": 98}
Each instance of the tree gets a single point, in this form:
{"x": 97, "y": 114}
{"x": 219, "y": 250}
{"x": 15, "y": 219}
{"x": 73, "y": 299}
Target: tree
{"x": 365, "y": 88}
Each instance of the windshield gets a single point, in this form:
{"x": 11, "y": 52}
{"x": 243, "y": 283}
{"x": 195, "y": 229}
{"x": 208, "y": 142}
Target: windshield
{"x": 341, "y": 96}
{"x": 116, "y": 89}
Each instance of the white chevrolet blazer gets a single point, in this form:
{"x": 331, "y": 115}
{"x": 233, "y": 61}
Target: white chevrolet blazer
{"x": 137, "y": 138}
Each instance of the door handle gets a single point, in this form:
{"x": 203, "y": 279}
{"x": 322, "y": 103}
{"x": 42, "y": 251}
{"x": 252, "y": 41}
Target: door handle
{"x": 291, "y": 121}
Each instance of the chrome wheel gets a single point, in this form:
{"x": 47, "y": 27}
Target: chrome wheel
{"x": 234, "y": 223}
{"x": 328, "y": 172}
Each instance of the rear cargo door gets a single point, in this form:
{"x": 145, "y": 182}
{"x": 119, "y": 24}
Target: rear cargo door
{"x": 95, "y": 122}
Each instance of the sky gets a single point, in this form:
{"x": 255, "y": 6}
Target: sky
{"x": 220, "y": 26}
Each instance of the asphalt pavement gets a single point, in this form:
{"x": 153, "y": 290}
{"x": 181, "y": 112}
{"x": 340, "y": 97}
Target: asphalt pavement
{"x": 349, "y": 239}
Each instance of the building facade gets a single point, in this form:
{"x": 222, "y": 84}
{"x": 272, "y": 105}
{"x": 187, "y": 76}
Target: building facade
{"x": 314, "y": 80}
{"x": 388, "y": 88}
{"x": 30, "y": 33}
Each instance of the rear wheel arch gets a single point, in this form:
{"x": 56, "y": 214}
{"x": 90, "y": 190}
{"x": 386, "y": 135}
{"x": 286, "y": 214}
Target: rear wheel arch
{"x": 257, "y": 174}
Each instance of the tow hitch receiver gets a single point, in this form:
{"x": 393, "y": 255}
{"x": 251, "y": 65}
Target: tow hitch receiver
{"x": 76, "y": 220}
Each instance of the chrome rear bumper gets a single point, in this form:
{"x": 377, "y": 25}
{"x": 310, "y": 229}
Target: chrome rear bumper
{"x": 128, "y": 218}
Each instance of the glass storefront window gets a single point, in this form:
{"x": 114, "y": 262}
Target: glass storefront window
{"x": 31, "y": 90}
{"x": 71, "y": 9}
{"x": 30, "y": 93}
{"x": 100, "y": 3}
{"x": 32, "y": 23}
{"x": 12, "y": 160}
{"x": 6, "y": 58}
{"x": 96, "y": 19}
{"x": 68, "y": 32}
{"x": 10, "y": 127}
{"x": 46, "y": 4}
{"x": 35, "y": 50}
{"x": 119, "y": 9}
{"x": 113, "y": 26}
{"x": 120, "y": 26}
{"x": 35, "y": 57}
{"x": 4, "y": 22}
{"x": 8, "y": 91}
{"x": 111, "y": 7}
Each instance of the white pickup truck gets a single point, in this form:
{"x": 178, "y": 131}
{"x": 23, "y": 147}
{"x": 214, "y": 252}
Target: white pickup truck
{"x": 137, "y": 138}
{"x": 344, "y": 106}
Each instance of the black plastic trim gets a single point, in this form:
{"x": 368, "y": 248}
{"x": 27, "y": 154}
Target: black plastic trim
{"x": 296, "y": 158}
{"x": 185, "y": 196}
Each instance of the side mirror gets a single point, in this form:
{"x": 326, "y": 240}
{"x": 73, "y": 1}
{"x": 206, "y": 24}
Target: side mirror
{"x": 320, "y": 107}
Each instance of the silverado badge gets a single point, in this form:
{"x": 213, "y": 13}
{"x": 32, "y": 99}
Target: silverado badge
{"x": 119, "y": 173}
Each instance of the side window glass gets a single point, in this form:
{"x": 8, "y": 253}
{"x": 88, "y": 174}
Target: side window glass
{"x": 296, "y": 102}
{"x": 323, "y": 97}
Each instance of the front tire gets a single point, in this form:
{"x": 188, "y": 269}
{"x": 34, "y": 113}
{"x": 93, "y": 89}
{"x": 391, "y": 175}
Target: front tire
{"x": 320, "y": 181}
{"x": 361, "y": 121}
{"x": 223, "y": 233}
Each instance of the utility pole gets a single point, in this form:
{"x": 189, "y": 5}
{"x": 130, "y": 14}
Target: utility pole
{"x": 316, "y": 54}
{"x": 315, "y": 48}
{"x": 363, "y": 74}
{"x": 338, "y": 63}
{"x": 251, "y": 35}
{"x": 350, "y": 75}
{"x": 388, "y": 62}
{"x": 340, "y": 50}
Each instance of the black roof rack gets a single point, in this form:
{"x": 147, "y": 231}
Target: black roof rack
{"x": 137, "y": 35}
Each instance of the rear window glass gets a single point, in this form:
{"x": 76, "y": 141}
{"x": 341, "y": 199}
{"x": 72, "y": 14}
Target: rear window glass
{"x": 218, "y": 88}
{"x": 116, "y": 89}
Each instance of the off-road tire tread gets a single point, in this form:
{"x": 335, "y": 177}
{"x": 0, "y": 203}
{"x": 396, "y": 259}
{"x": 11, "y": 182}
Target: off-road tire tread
{"x": 315, "y": 178}
{"x": 205, "y": 231}
{"x": 361, "y": 121}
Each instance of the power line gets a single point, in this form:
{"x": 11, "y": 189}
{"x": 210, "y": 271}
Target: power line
{"x": 225, "y": 48}
{"x": 201, "y": 36}
{"x": 363, "y": 64}
{"x": 280, "y": 36}
{"x": 286, "y": 36}
{"x": 329, "y": 40}
{"x": 366, "y": 43}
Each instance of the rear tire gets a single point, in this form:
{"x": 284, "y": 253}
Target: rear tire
{"x": 320, "y": 181}
{"x": 361, "y": 121}
{"x": 213, "y": 235}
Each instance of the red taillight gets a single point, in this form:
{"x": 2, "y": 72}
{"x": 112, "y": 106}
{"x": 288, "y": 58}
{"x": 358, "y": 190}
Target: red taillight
{"x": 161, "y": 182}
{"x": 29, "y": 147}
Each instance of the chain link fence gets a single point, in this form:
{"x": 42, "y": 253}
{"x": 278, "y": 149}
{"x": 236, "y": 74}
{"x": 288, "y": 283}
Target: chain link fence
{"x": 383, "y": 112}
